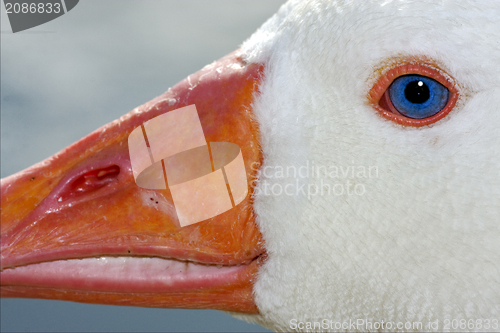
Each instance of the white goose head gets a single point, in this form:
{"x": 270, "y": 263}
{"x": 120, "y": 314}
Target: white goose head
{"x": 402, "y": 225}
{"x": 420, "y": 240}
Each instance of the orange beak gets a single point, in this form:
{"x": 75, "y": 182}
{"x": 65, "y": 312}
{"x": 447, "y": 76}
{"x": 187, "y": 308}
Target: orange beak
{"x": 77, "y": 227}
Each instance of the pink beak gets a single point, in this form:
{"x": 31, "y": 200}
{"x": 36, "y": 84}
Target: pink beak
{"x": 77, "y": 227}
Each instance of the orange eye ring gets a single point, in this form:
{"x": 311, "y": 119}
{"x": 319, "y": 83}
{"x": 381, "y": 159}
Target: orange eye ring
{"x": 379, "y": 100}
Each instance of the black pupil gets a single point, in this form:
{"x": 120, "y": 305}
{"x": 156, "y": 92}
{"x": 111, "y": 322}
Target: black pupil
{"x": 417, "y": 92}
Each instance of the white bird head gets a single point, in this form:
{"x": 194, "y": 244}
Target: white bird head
{"x": 392, "y": 222}
{"x": 371, "y": 210}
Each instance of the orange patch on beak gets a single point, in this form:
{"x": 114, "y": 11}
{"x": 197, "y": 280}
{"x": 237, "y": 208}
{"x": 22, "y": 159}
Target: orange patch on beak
{"x": 84, "y": 203}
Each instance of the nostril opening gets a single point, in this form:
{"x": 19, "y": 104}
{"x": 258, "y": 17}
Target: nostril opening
{"x": 91, "y": 181}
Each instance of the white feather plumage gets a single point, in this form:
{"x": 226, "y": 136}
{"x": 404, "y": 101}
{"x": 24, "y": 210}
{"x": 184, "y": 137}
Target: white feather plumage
{"x": 423, "y": 242}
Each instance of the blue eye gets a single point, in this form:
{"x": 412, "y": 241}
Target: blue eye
{"x": 417, "y": 96}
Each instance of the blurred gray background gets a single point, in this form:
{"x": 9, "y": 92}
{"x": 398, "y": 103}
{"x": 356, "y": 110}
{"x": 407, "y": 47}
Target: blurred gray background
{"x": 67, "y": 77}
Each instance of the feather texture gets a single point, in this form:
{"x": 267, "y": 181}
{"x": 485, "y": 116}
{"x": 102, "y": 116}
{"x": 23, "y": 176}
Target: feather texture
{"x": 419, "y": 240}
